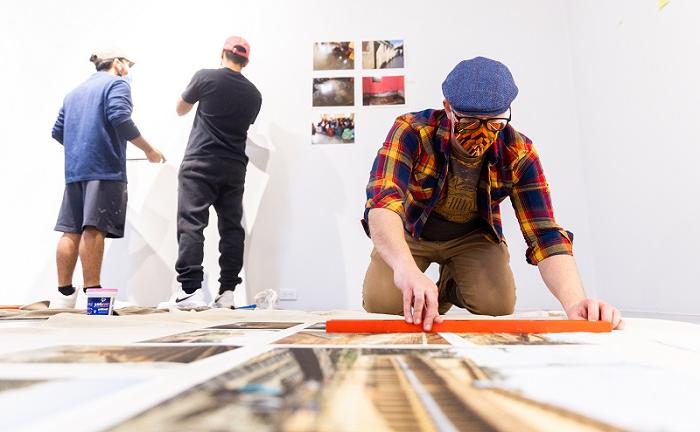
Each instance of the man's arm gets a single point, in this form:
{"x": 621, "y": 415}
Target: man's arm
{"x": 561, "y": 276}
{"x": 183, "y": 107}
{"x": 420, "y": 294}
{"x": 57, "y": 131}
{"x": 118, "y": 110}
{"x": 153, "y": 154}
{"x": 550, "y": 247}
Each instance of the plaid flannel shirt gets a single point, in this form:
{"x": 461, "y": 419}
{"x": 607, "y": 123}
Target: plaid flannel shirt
{"x": 410, "y": 172}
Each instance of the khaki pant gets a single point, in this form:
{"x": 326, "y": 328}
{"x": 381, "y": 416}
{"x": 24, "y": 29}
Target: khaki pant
{"x": 474, "y": 274}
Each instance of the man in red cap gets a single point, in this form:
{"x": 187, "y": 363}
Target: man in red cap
{"x": 213, "y": 172}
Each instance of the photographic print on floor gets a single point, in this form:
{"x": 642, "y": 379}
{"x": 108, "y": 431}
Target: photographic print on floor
{"x": 6, "y": 385}
{"x": 333, "y": 91}
{"x": 388, "y": 389}
{"x": 334, "y": 56}
{"x": 261, "y": 325}
{"x": 388, "y": 90}
{"x": 214, "y": 336}
{"x": 116, "y": 354}
{"x": 320, "y": 337}
{"x": 509, "y": 339}
{"x": 382, "y": 54}
{"x": 333, "y": 128}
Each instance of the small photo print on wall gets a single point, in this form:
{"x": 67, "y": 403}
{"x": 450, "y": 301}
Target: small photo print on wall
{"x": 333, "y": 92}
{"x": 334, "y": 56}
{"x": 382, "y": 54}
{"x": 388, "y": 90}
{"x": 333, "y": 128}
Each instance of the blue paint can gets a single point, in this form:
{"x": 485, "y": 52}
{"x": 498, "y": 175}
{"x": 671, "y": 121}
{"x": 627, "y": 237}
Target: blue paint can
{"x": 100, "y": 301}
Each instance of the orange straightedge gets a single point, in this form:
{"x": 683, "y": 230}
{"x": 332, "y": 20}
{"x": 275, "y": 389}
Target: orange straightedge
{"x": 469, "y": 326}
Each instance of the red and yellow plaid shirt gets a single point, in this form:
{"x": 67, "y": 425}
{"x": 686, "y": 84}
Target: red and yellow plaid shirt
{"x": 410, "y": 173}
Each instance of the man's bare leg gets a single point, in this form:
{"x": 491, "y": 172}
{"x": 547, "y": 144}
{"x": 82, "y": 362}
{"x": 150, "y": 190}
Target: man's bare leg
{"x": 66, "y": 258}
{"x": 92, "y": 244}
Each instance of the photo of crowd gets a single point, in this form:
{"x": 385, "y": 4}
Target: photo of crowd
{"x": 333, "y": 129}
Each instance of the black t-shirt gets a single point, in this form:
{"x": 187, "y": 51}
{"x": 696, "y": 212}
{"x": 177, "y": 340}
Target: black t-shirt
{"x": 228, "y": 105}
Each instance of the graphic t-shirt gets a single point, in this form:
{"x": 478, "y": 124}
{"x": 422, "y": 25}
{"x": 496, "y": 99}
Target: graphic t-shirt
{"x": 456, "y": 213}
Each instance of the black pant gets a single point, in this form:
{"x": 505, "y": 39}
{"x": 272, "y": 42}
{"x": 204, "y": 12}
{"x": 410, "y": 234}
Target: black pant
{"x": 201, "y": 184}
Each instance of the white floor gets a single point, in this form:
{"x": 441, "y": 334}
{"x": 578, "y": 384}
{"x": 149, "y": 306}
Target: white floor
{"x": 646, "y": 377}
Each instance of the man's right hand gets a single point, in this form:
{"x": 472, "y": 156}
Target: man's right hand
{"x": 155, "y": 156}
{"x": 420, "y": 298}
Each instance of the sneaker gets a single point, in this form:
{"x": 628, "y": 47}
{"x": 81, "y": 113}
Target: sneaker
{"x": 224, "y": 300}
{"x": 182, "y": 300}
{"x": 61, "y": 301}
{"x": 81, "y": 302}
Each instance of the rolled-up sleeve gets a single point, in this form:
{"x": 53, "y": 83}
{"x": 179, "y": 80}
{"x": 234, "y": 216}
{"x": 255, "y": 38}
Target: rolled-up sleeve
{"x": 532, "y": 202}
{"x": 391, "y": 171}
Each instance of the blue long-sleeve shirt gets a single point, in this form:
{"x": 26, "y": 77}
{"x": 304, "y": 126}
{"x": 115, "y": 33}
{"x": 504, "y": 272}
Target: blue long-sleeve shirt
{"x": 94, "y": 125}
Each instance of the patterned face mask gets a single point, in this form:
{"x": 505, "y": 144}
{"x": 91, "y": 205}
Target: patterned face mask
{"x": 473, "y": 143}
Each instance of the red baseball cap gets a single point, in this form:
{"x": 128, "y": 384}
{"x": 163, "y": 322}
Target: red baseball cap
{"x": 230, "y": 45}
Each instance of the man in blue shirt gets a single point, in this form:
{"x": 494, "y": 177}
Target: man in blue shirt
{"x": 94, "y": 125}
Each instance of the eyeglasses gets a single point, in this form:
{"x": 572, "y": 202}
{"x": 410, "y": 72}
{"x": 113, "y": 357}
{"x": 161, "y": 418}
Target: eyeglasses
{"x": 468, "y": 124}
{"x": 127, "y": 61}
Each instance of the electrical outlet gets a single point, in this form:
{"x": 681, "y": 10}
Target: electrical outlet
{"x": 288, "y": 294}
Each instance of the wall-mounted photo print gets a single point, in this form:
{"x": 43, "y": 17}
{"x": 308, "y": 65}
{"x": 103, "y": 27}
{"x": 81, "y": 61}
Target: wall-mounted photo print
{"x": 333, "y": 129}
{"x": 388, "y": 90}
{"x": 382, "y": 54}
{"x": 334, "y": 55}
{"x": 333, "y": 92}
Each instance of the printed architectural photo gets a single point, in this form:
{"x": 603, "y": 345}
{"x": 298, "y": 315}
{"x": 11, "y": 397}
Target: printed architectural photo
{"x": 261, "y": 325}
{"x": 333, "y": 92}
{"x": 333, "y": 129}
{"x": 116, "y": 354}
{"x": 304, "y": 389}
{"x": 334, "y": 55}
{"x": 382, "y": 54}
{"x": 215, "y": 336}
{"x": 388, "y": 90}
{"x": 320, "y": 337}
{"x": 509, "y": 339}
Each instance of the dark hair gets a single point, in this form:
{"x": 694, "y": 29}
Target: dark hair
{"x": 101, "y": 64}
{"x": 235, "y": 58}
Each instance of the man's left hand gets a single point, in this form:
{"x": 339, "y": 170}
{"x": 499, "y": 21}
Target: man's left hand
{"x": 594, "y": 310}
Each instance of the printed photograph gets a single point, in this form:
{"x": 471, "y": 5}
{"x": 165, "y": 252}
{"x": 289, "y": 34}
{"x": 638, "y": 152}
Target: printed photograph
{"x": 216, "y": 336}
{"x": 6, "y": 385}
{"x": 382, "y": 54}
{"x": 333, "y": 129}
{"x": 334, "y": 56}
{"x": 317, "y": 326}
{"x": 304, "y": 389}
{"x": 320, "y": 337}
{"x": 116, "y": 354}
{"x": 333, "y": 92}
{"x": 260, "y": 325}
{"x": 388, "y": 90}
{"x": 509, "y": 339}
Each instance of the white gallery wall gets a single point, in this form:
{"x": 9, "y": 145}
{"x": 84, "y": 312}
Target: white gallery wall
{"x": 303, "y": 202}
{"x": 636, "y": 77}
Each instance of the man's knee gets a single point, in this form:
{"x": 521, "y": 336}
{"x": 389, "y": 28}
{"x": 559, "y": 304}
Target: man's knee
{"x": 381, "y": 298}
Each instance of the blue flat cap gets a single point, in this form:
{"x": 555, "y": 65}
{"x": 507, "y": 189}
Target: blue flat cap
{"x": 480, "y": 86}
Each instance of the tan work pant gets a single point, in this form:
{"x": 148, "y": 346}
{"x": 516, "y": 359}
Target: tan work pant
{"x": 474, "y": 274}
